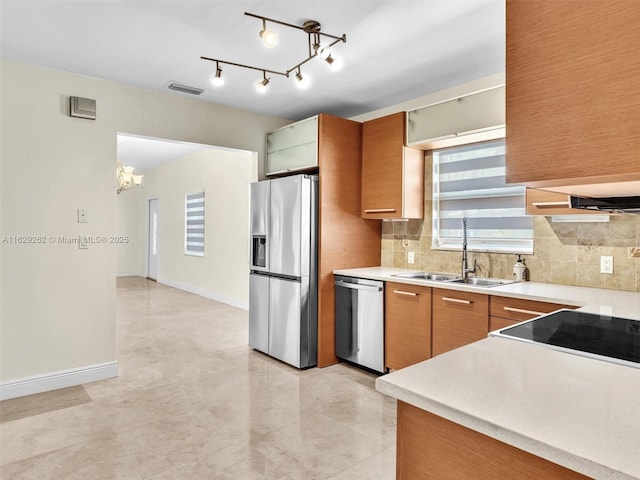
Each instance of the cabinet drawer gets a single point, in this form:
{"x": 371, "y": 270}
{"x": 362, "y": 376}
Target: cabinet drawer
{"x": 407, "y": 324}
{"x": 459, "y": 318}
{"x": 520, "y": 310}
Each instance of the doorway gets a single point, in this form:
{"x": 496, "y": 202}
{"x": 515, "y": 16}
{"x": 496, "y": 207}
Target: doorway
{"x": 152, "y": 240}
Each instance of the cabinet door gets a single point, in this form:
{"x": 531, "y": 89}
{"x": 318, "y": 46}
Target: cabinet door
{"x": 392, "y": 174}
{"x": 382, "y": 144}
{"x": 542, "y": 202}
{"x": 497, "y": 323}
{"x": 293, "y": 148}
{"x": 459, "y": 318}
{"x": 407, "y": 325}
{"x": 573, "y": 92}
{"x": 468, "y": 119}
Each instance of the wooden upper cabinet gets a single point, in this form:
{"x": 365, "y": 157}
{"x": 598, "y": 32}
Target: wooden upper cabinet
{"x": 573, "y": 95}
{"x": 392, "y": 174}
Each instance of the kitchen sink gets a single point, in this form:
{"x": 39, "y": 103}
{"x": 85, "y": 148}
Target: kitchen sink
{"x": 481, "y": 282}
{"x": 438, "y": 277}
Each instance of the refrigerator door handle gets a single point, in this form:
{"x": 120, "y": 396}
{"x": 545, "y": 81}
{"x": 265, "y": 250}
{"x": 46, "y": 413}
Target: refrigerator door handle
{"x": 355, "y": 286}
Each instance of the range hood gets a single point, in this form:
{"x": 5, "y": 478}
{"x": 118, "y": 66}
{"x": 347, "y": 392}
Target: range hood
{"x": 608, "y": 204}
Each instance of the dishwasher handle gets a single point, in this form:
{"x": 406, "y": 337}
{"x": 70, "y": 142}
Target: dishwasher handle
{"x": 357, "y": 286}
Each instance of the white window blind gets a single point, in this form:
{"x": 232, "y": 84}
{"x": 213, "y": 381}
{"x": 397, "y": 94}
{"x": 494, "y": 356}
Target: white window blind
{"x": 469, "y": 182}
{"x": 194, "y": 224}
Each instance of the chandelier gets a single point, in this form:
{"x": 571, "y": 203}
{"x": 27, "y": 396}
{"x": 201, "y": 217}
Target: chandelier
{"x": 270, "y": 38}
{"x": 126, "y": 178}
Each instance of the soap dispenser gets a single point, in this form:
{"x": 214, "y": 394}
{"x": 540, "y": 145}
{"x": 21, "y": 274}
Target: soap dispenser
{"x": 519, "y": 270}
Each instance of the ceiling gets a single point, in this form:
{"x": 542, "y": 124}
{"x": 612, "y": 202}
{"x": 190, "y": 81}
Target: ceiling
{"x": 396, "y": 50}
{"x": 144, "y": 153}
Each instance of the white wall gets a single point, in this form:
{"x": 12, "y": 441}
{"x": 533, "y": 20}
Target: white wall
{"x": 57, "y": 301}
{"x": 224, "y": 175}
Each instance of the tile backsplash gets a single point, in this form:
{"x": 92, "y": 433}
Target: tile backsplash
{"x": 565, "y": 253}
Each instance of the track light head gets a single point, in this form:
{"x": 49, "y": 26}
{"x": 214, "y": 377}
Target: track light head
{"x": 269, "y": 37}
{"x": 335, "y": 63}
{"x": 325, "y": 52}
{"x": 262, "y": 85}
{"x": 302, "y": 81}
{"x": 217, "y": 79}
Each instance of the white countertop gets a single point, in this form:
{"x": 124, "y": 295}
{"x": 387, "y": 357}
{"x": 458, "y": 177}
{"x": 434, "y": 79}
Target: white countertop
{"x": 596, "y": 300}
{"x": 575, "y": 411}
{"x": 581, "y": 413}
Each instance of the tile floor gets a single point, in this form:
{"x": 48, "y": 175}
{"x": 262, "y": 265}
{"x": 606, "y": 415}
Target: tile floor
{"x": 193, "y": 401}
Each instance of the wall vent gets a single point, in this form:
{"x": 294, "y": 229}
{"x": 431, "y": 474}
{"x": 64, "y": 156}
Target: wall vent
{"x": 82, "y": 107}
{"x": 179, "y": 87}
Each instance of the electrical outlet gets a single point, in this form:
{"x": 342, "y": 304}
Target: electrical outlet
{"x": 411, "y": 258}
{"x": 606, "y": 264}
{"x": 82, "y": 216}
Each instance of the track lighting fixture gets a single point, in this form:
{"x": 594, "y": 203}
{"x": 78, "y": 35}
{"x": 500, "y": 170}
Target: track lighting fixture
{"x": 217, "y": 79}
{"x": 262, "y": 85}
{"x": 270, "y": 38}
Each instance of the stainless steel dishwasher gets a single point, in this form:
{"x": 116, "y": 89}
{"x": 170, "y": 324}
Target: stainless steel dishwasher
{"x": 359, "y": 307}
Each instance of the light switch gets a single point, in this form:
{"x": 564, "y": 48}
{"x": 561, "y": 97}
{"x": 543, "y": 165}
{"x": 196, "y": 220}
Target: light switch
{"x": 82, "y": 215}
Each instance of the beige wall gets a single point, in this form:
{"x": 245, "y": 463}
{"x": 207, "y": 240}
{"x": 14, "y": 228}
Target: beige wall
{"x": 131, "y": 223}
{"x": 57, "y": 301}
{"x": 224, "y": 175}
{"x": 565, "y": 253}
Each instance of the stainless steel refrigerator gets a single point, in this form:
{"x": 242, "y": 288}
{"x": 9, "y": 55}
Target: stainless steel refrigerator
{"x": 283, "y": 292}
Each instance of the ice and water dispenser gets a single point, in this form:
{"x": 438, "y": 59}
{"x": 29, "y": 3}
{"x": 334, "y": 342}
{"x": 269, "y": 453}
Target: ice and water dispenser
{"x": 259, "y": 251}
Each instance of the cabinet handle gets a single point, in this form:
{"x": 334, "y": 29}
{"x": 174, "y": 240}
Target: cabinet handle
{"x": 380, "y": 210}
{"x": 552, "y": 204}
{"x": 522, "y": 310}
{"x": 402, "y": 292}
{"x": 457, "y": 300}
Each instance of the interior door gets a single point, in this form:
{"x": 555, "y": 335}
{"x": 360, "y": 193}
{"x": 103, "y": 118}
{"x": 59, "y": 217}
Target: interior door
{"x": 153, "y": 240}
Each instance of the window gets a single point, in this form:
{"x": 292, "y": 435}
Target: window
{"x": 469, "y": 182}
{"x": 194, "y": 224}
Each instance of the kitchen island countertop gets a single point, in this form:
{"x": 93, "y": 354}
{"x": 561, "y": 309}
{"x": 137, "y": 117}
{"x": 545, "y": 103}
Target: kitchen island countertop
{"x": 578, "y": 412}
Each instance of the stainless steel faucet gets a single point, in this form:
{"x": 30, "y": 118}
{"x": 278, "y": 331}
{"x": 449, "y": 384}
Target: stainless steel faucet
{"x": 465, "y": 265}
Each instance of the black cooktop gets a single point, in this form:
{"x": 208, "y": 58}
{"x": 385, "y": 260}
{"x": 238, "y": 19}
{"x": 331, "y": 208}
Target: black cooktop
{"x": 589, "y": 333}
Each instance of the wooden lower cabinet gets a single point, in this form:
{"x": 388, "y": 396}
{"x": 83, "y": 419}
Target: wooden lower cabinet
{"x": 433, "y": 448}
{"x": 505, "y": 311}
{"x": 458, "y": 318}
{"x": 407, "y": 335}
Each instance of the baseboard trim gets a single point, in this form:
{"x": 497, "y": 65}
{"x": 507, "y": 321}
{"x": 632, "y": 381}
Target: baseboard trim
{"x": 234, "y": 302}
{"x": 130, "y": 274}
{"x": 56, "y": 380}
